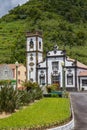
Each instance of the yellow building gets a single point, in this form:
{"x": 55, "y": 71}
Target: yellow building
{"x": 21, "y": 76}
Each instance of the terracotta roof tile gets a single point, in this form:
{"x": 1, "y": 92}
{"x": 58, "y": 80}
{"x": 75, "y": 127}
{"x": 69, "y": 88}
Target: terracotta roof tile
{"x": 79, "y": 64}
{"x": 83, "y": 73}
{"x": 13, "y": 66}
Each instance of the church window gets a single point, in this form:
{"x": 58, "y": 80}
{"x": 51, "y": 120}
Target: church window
{"x": 39, "y": 45}
{"x": 69, "y": 79}
{"x": 31, "y": 44}
{"x": 54, "y": 66}
{"x": 42, "y": 80}
{"x": 42, "y": 77}
{"x": 84, "y": 82}
{"x": 6, "y": 73}
{"x": 31, "y": 56}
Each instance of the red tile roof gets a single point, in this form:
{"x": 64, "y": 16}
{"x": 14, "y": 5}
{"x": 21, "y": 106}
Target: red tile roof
{"x": 13, "y": 66}
{"x": 79, "y": 64}
{"x": 83, "y": 73}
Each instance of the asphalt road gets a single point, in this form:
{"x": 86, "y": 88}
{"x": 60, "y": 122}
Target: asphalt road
{"x": 79, "y": 103}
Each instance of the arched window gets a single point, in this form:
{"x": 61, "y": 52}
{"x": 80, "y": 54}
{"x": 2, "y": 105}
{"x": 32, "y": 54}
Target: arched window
{"x": 31, "y": 44}
{"x": 70, "y": 79}
{"x": 42, "y": 78}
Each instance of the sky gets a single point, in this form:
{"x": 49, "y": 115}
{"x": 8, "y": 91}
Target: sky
{"x": 6, "y": 5}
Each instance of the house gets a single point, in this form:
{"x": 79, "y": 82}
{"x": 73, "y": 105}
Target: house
{"x": 21, "y": 72}
{"x": 8, "y": 72}
{"x": 56, "y": 68}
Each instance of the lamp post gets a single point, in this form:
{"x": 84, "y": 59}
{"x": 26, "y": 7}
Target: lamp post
{"x": 16, "y": 63}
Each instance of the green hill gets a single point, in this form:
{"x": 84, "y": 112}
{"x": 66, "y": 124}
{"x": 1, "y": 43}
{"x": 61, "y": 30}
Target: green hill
{"x": 63, "y": 22}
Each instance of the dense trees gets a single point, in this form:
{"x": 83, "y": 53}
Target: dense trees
{"x": 62, "y": 22}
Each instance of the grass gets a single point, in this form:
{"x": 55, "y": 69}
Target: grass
{"x": 45, "y": 112}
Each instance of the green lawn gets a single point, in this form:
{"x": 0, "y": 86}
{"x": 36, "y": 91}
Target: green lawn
{"x": 45, "y": 112}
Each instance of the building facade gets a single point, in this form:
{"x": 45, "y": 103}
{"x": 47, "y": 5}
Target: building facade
{"x": 21, "y": 74}
{"x": 8, "y": 72}
{"x": 56, "y": 68}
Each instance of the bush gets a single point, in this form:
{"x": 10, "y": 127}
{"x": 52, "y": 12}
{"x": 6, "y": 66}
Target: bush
{"x": 54, "y": 95}
{"x": 9, "y": 99}
{"x": 5, "y": 82}
{"x": 32, "y": 92}
{"x": 30, "y": 85}
{"x": 38, "y": 93}
{"x": 53, "y": 87}
{"x": 65, "y": 94}
{"x": 34, "y": 89}
{"x": 25, "y": 97}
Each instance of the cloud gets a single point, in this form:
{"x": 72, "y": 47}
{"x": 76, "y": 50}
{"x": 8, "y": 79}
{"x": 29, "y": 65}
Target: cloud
{"x": 16, "y": 2}
{"x": 6, "y": 5}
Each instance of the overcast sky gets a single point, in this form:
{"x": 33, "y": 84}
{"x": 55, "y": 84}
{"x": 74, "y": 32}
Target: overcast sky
{"x": 6, "y": 5}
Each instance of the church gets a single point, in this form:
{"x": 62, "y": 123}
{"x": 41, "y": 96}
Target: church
{"x": 56, "y": 68}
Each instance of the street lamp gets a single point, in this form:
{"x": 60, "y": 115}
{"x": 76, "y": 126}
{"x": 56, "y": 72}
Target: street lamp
{"x": 16, "y": 63}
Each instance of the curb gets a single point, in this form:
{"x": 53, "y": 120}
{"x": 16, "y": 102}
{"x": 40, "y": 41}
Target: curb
{"x": 69, "y": 126}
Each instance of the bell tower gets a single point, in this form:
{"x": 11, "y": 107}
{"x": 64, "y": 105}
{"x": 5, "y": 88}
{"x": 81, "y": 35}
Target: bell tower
{"x": 34, "y": 54}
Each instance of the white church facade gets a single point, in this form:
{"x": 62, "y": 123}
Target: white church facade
{"x": 56, "y": 68}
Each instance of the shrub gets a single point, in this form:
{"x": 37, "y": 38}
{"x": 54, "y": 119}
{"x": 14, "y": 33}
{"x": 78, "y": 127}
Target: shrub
{"x": 30, "y": 85}
{"x": 5, "y": 82}
{"x": 65, "y": 94}
{"x": 9, "y": 99}
{"x": 38, "y": 93}
{"x": 54, "y": 95}
{"x": 53, "y": 87}
{"x": 25, "y": 97}
{"x": 32, "y": 92}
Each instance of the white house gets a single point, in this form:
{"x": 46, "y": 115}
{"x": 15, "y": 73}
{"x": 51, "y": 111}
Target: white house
{"x": 6, "y": 72}
{"x": 56, "y": 68}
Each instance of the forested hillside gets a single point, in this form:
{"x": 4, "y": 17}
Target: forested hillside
{"x": 63, "y": 22}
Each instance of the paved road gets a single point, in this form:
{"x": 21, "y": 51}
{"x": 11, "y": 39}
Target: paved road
{"x": 79, "y": 103}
